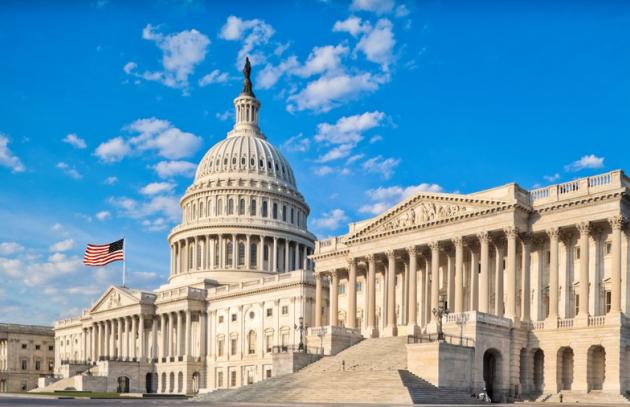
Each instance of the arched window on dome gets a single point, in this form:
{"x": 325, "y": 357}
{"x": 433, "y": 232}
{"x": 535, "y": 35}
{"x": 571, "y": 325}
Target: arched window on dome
{"x": 264, "y": 209}
{"x": 219, "y": 207}
{"x": 191, "y": 253}
{"x": 209, "y": 207}
{"x": 230, "y": 208}
{"x": 284, "y": 213}
{"x": 202, "y": 214}
{"x": 291, "y": 215}
{"x": 251, "y": 342}
{"x": 241, "y": 254}
{"x": 252, "y": 207}
{"x": 274, "y": 212}
{"x": 243, "y": 161}
{"x": 253, "y": 255}
{"x": 241, "y": 206}
{"x": 194, "y": 211}
{"x": 198, "y": 255}
{"x": 252, "y": 162}
{"x": 228, "y": 254}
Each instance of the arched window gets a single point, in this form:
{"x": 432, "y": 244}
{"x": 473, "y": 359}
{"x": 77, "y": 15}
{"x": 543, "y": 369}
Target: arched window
{"x": 194, "y": 211}
{"x": 264, "y": 209}
{"x": 253, "y": 255}
{"x": 201, "y": 212}
{"x": 241, "y": 206}
{"x": 251, "y": 342}
{"x": 228, "y": 255}
{"x": 291, "y": 215}
{"x": 219, "y": 207}
{"x": 230, "y": 208}
{"x": 252, "y": 207}
{"x": 209, "y": 207}
{"x": 241, "y": 253}
{"x": 284, "y": 213}
{"x": 275, "y": 210}
{"x": 191, "y": 252}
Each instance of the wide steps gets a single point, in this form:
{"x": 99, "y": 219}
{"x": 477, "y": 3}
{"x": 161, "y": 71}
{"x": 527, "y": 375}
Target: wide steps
{"x": 596, "y": 396}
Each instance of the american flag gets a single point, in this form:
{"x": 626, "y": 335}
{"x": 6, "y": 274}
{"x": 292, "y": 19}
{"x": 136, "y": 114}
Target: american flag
{"x": 102, "y": 254}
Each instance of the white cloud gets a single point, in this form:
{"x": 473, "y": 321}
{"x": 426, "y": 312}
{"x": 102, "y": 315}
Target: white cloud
{"x": 62, "y": 246}
{"x": 378, "y": 43}
{"x": 113, "y": 150}
{"x": 129, "y": 67}
{"x": 323, "y": 59}
{"x": 297, "y": 143}
{"x": 69, "y": 171}
{"x": 75, "y": 141}
{"x": 252, "y": 33}
{"x": 378, "y": 165}
{"x": 352, "y": 25}
{"x": 270, "y": 74}
{"x": 225, "y": 115}
{"x": 111, "y": 180}
{"x": 215, "y": 76}
{"x": 385, "y": 197}
{"x": 340, "y": 151}
{"x": 169, "y": 169}
{"x": 374, "y": 6}
{"x": 155, "y": 188}
{"x": 154, "y": 225}
{"x": 103, "y": 215}
{"x": 552, "y": 178}
{"x": 323, "y": 170}
{"x": 587, "y": 161}
{"x": 159, "y": 205}
{"x": 376, "y": 138}
{"x": 169, "y": 141}
{"x": 330, "y": 220}
{"x": 354, "y": 158}
{"x": 7, "y": 158}
{"x": 401, "y": 11}
{"x": 181, "y": 53}
{"x": 330, "y": 91}
{"x": 348, "y": 129}
{"x": 9, "y": 248}
{"x": 56, "y": 227}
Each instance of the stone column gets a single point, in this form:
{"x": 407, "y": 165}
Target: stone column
{"x": 435, "y": 278}
{"x": 585, "y": 229}
{"x": 221, "y": 256}
{"x": 248, "y": 250}
{"x": 163, "y": 342}
{"x": 526, "y": 238}
{"x": 195, "y": 264}
{"x": 391, "y": 323}
{"x": 484, "y": 275}
{"x": 274, "y": 264}
{"x": 286, "y": 256}
{"x": 334, "y": 298}
{"x": 188, "y": 334}
{"x": 458, "y": 242}
{"x": 318, "y": 299}
{"x": 352, "y": 293}
{"x": 154, "y": 340}
{"x": 142, "y": 353}
{"x": 617, "y": 224}
{"x": 412, "y": 323}
{"x": 124, "y": 338}
{"x": 304, "y": 257}
{"x": 203, "y": 333}
{"x": 180, "y": 331}
{"x": 93, "y": 337}
{"x": 510, "y": 312}
{"x": 450, "y": 278}
{"x": 474, "y": 275}
{"x": 553, "y": 234}
{"x": 371, "y": 286}
{"x": 261, "y": 253}
{"x": 211, "y": 253}
{"x": 234, "y": 252}
{"x": 498, "y": 297}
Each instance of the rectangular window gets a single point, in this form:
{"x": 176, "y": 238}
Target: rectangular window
{"x": 24, "y": 363}
{"x": 284, "y": 213}
{"x": 37, "y": 347}
{"x": 341, "y": 289}
{"x": 269, "y": 342}
{"x": 285, "y": 339}
{"x": 220, "y": 379}
{"x": 38, "y": 365}
{"x": 577, "y": 253}
{"x": 577, "y": 304}
{"x": 234, "y": 317}
{"x": 220, "y": 347}
{"x": 233, "y": 346}
{"x": 50, "y": 347}
{"x": 285, "y": 310}
{"x": 51, "y": 365}
{"x": 252, "y": 208}
{"x": 220, "y": 319}
{"x": 608, "y": 247}
{"x": 233, "y": 378}
{"x": 274, "y": 212}
{"x": 268, "y": 373}
{"x": 269, "y": 312}
{"x": 291, "y": 215}
{"x": 264, "y": 209}
{"x": 24, "y": 346}
{"x": 608, "y": 300}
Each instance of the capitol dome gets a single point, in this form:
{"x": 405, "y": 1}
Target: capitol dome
{"x": 243, "y": 217}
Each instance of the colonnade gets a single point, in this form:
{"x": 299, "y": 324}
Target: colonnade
{"x": 121, "y": 338}
{"x": 422, "y": 280}
{"x": 4, "y": 353}
{"x": 238, "y": 251}
{"x": 175, "y": 340}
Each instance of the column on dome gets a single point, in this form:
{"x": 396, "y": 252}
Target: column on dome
{"x": 234, "y": 251}
{"x": 195, "y": 260}
{"x": 261, "y": 253}
{"x": 248, "y": 251}
{"x": 211, "y": 253}
{"x": 274, "y": 267}
{"x": 352, "y": 293}
{"x": 221, "y": 249}
{"x": 286, "y": 255}
{"x": 304, "y": 257}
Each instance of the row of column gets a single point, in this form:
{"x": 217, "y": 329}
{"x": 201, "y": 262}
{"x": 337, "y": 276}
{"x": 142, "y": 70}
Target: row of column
{"x": 176, "y": 335}
{"x": 121, "y": 338}
{"x": 196, "y": 254}
{"x": 505, "y": 244}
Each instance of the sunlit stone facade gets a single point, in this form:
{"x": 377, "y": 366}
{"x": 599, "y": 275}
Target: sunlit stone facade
{"x": 240, "y": 280}
{"x": 537, "y": 280}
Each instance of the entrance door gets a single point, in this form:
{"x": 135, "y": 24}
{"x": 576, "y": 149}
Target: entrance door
{"x": 123, "y": 384}
{"x": 148, "y": 388}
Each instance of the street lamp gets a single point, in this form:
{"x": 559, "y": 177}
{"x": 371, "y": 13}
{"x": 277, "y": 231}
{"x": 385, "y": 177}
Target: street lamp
{"x": 438, "y": 313}
{"x": 301, "y": 328}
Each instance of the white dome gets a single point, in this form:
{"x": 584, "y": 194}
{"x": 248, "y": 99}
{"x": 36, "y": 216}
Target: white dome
{"x": 245, "y": 154}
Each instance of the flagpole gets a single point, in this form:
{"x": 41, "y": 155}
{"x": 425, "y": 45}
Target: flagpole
{"x": 124, "y": 261}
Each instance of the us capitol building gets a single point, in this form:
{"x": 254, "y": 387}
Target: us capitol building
{"x": 516, "y": 293}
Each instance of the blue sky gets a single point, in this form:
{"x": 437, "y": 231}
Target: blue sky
{"x": 106, "y": 107}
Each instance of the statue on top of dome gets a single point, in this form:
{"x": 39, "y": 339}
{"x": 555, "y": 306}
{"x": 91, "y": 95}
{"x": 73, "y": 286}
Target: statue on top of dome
{"x": 247, "y": 82}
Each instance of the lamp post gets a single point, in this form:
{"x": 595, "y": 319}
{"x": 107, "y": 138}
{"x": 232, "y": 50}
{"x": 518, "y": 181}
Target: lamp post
{"x": 301, "y": 328}
{"x": 439, "y": 313}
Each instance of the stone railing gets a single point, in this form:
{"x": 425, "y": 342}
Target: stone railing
{"x": 596, "y": 320}
{"x": 579, "y": 187}
{"x": 476, "y": 316}
{"x": 329, "y": 245}
{"x": 181, "y": 292}
{"x": 537, "y": 325}
{"x": 450, "y": 339}
{"x": 565, "y": 323}
{"x": 297, "y": 276}
{"x": 67, "y": 322}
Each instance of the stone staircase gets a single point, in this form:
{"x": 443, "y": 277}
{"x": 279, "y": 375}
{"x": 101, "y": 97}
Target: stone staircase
{"x": 372, "y": 371}
{"x": 593, "y": 397}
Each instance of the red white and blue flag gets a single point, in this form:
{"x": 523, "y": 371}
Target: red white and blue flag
{"x": 102, "y": 254}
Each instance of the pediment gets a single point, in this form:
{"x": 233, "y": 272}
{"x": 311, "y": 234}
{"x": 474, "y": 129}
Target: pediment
{"x": 113, "y": 298}
{"x": 425, "y": 209}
